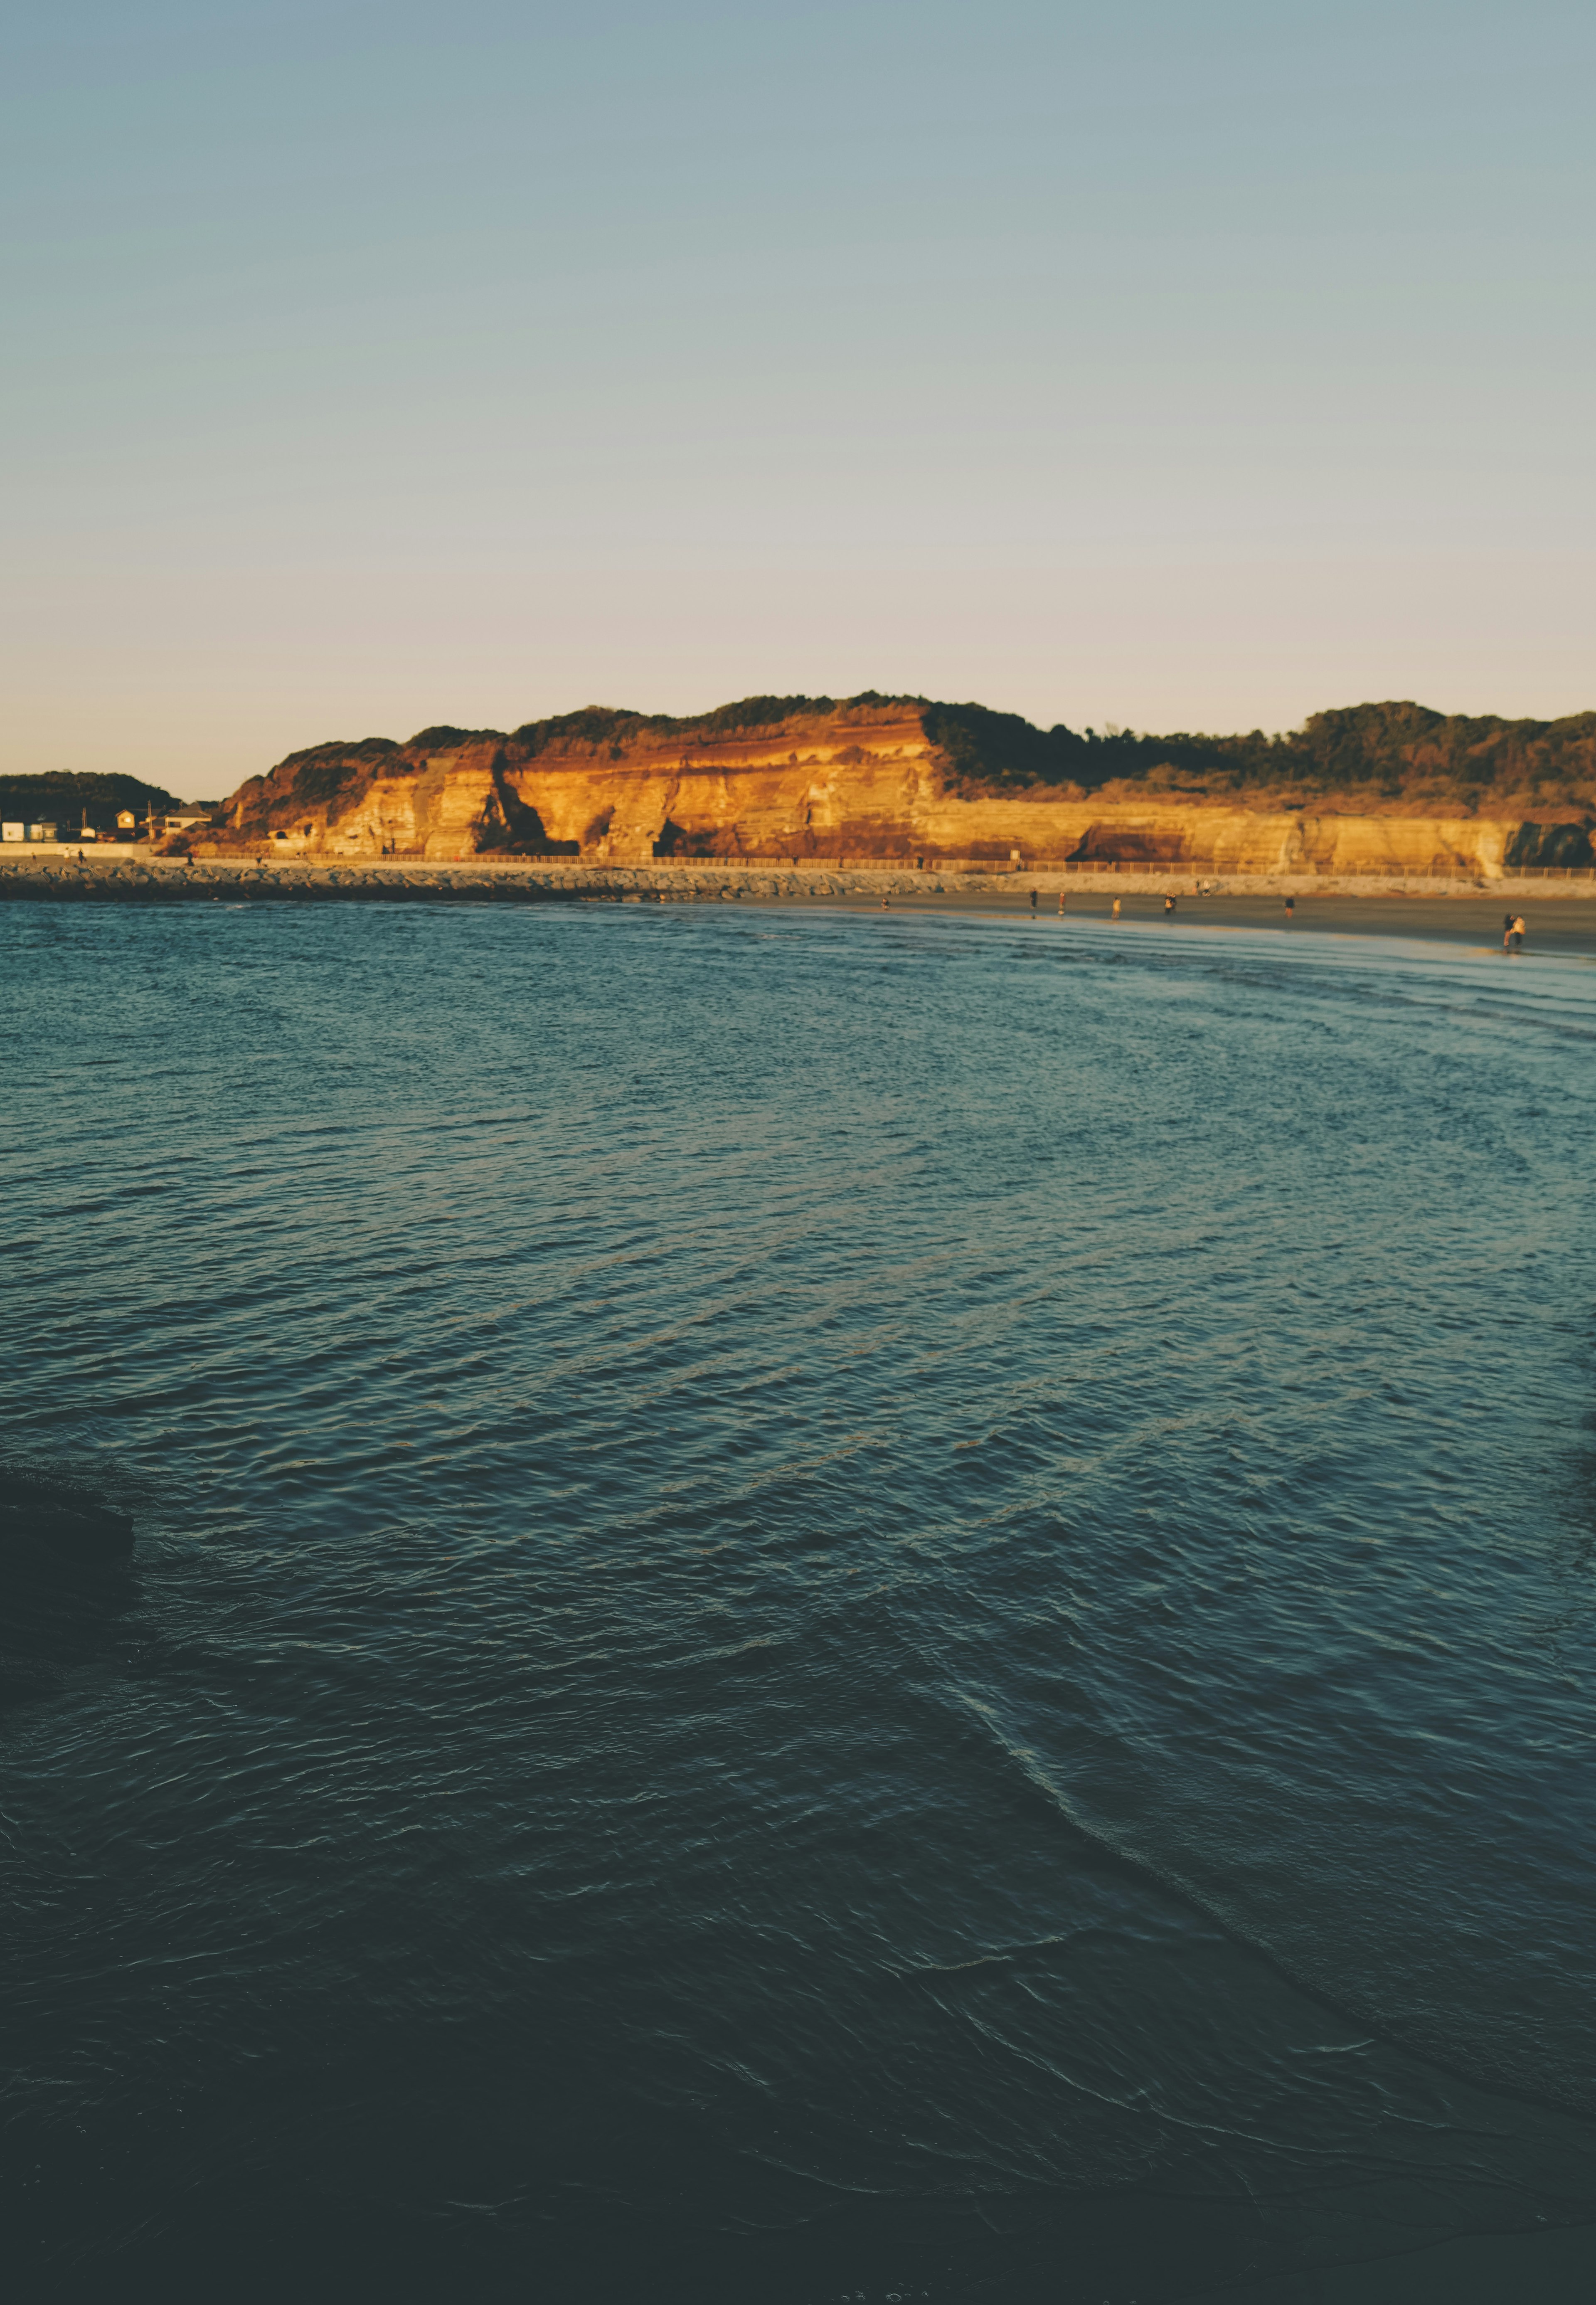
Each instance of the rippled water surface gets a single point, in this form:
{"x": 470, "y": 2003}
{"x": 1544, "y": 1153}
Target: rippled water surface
{"x": 825, "y": 1603}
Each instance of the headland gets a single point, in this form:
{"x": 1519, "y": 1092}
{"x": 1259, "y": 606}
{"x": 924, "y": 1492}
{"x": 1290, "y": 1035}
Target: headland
{"x": 781, "y": 787}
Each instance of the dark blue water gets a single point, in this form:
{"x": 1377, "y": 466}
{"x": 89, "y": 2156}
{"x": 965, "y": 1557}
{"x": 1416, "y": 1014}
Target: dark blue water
{"x": 824, "y": 1604}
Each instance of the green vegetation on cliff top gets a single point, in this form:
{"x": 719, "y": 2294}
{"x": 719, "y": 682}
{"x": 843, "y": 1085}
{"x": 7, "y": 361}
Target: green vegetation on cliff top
{"x": 1377, "y": 753}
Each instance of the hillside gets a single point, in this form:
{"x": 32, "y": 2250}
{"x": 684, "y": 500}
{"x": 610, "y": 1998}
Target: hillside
{"x": 84, "y": 796}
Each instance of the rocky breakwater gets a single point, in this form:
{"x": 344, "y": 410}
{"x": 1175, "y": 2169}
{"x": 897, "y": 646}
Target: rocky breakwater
{"x": 789, "y": 782}
{"x": 189, "y": 880}
{"x": 220, "y": 879}
{"x": 519, "y": 881}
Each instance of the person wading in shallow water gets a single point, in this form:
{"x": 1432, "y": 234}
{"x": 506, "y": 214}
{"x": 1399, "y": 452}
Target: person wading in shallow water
{"x": 1515, "y": 933}
{"x": 1506, "y": 930}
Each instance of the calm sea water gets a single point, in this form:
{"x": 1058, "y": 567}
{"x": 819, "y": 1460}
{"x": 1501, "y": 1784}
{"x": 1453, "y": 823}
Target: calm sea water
{"x": 825, "y": 1605}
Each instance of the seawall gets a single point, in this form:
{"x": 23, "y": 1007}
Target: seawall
{"x": 132, "y": 877}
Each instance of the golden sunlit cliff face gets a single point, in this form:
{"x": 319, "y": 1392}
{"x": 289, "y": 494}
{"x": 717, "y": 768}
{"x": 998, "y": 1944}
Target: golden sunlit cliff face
{"x": 868, "y": 779}
{"x": 850, "y": 779}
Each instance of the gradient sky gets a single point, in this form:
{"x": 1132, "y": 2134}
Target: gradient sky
{"x": 1176, "y": 364}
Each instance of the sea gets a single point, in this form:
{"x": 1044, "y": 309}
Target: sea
{"x": 827, "y": 1605}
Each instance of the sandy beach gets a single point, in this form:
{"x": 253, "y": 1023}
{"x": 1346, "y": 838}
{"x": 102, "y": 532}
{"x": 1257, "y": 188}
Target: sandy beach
{"x": 1551, "y": 925}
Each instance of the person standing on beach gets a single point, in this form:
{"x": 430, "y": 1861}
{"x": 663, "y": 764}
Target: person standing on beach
{"x": 1061, "y": 903}
{"x": 1506, "y": 930}
{"x": 1033, "y": 900}
{"x": 1117, "y": 908}
{"x": 1168, "y": 905}
{"x": 1291, "y": 908}
{"x": 1515, "y": 933}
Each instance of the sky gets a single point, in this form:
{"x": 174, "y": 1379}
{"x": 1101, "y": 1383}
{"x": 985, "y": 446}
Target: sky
{"x": 1180, "y": 364}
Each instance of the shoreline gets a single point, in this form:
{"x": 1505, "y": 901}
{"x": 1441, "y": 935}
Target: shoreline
{"x": 1465, "y": 912}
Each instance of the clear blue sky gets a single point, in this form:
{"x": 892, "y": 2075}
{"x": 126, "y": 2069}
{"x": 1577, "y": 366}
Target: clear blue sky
{"x": 1179, "y": 363}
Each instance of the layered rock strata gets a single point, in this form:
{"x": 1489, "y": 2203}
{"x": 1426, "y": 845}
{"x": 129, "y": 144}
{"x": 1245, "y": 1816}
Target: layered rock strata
{"x": 861, "y": 782}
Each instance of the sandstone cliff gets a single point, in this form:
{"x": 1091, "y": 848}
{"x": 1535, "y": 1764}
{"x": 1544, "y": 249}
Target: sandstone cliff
{"x": 876, "y": 777}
